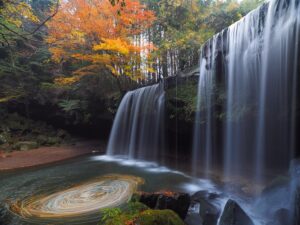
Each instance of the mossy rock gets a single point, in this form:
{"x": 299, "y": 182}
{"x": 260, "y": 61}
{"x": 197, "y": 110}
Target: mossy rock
{"x": 159, "y": 217}
{"x": 53, "y": 141}
{"x": 4, "y": 138}
{"x": 134, "y": 207}
{"x": 42, "y": 139}
{"x": 26, "y": 145}
{"x": 136, "y": 213}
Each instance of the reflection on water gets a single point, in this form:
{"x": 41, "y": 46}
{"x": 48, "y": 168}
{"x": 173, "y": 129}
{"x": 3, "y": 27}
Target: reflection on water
{"x": 71, "y": 192}
{"x": 80, "y": 201}
{"x": 73, "y": 187}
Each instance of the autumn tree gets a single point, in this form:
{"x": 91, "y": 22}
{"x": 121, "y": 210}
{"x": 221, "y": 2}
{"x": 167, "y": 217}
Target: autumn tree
{"x": 99, "y": 36}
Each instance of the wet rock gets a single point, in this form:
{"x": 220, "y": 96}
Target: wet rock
{"x": 178, "y": 202}
{"x": 282, "y": 216}
{"x": 158, "y": 217}
{"x": 193, "y": 219}
{"x": 233, "y": 214}
{"x": 204, "y": 195}
{"x": 208, "y": 211}
{"x": 199, "y": 195}
{"x": 297, "y": 207}
{"x": 149, "y": 199}
{"x": 276, "y": 195}
{"x": 273, "y": 223}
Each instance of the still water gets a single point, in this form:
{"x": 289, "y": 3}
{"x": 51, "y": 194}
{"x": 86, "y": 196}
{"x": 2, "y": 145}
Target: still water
{"x": 28, "y": 185}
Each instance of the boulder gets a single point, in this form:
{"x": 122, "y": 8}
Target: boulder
{"x": 297, "y": 207}
{"x": 178, "y": 202}
{"x": 53, "y": 141}
{"x": 42, "y": 139}
{"x": 193, "y": 219}
{"x": 282, "y": 216}
{"x": 149, "y": 199}
{"x": 26, "y": 145}
{"x": 208, "y": 211}
{"x": 3, "y": 138}
{"x": 158, "y": 217}
{"x": 204, "y": 195}
{"x": 233, "y": 214}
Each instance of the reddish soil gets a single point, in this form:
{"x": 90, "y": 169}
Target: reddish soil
{"x": 45, "y": 155}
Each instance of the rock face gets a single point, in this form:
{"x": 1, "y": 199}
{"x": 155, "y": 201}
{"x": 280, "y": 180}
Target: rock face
{"x": 297, "y": 207}
{"x": 26, "y": 145}
{"x": 283, "y": 216}
{"x": 178, "y": 202}
{"x": 208, "y": 211}
{"x": 233, "y": 214}
{"x": 193, "y": 219}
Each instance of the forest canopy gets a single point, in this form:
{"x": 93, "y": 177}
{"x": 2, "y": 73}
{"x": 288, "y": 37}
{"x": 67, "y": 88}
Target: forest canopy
{"x": 50, "y": 51}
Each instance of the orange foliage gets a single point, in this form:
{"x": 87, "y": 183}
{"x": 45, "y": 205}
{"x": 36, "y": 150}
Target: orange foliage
{"x": 96, "y": 32}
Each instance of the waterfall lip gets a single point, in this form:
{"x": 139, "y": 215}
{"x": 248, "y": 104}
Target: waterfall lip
{"x": 138, "y": 127}
{"x": 142, "y": 164}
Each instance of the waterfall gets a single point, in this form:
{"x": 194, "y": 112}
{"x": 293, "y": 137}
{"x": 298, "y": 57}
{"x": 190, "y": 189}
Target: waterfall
{"x": 247, "y": 92}
{"x": 138, "y": 128}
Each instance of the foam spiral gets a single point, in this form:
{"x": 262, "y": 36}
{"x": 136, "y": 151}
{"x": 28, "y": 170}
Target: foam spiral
{"x": 80, "y": 200}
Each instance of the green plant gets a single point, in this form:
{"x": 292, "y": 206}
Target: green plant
{"x": 110, "y": 213}
{"x": 69, "y": 105}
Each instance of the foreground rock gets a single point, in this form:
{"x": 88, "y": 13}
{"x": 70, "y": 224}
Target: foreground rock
{"x": 233, "y": 214}
{"x": 178, "y": 202}
{"x": 297, "y": 207}
{"x": 136, "y": 213}
{"x": 206, "y": 210}
{"x": 193, "y": 219}
{"x": 159, "y": 217}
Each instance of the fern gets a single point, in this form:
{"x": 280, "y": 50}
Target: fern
{"x": 69, "y": 105}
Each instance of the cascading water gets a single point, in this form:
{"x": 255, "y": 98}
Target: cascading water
{"x": 138, "y": 129}
{"x": 247, "y": 89}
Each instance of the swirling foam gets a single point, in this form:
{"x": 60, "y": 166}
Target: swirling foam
{"x": 81, "y": 200}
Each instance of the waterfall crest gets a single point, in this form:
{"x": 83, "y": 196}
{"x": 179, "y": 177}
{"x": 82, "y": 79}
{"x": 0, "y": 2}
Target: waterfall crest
{"x": 138, "y": 128}
{"x": 247, "y": 94}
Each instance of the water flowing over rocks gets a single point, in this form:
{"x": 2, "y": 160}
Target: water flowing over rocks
{"x": 83, "y": 201}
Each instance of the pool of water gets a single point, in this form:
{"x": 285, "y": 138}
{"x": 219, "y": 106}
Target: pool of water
{"x": 30, "y": 183}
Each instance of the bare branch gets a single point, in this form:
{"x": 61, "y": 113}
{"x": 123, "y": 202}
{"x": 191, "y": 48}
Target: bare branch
{"x": 12, "y": 31}
{"x": 46, "y": 20}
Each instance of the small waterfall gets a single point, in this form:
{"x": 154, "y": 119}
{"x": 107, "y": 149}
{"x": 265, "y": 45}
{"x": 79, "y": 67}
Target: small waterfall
{"x": 138, "y": 128}
{"x": 247, "y": 90}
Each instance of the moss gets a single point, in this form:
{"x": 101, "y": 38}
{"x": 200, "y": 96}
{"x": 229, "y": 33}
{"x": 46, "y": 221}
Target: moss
{"x": 182, "y": 101}
{"x": 136, "y": 213}
{"x": 159, "y": 217}
{"x": 20, "y": 133}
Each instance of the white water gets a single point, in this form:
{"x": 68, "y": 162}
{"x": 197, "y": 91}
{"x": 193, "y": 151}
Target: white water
{"x": 138, "y": 128}
{"x": 256, "y": 61}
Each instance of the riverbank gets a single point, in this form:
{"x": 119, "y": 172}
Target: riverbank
{"x": 45, "y": 155}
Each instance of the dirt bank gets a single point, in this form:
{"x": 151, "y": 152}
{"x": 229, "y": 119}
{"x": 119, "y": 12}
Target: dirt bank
{"x": 45, "y": 155}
